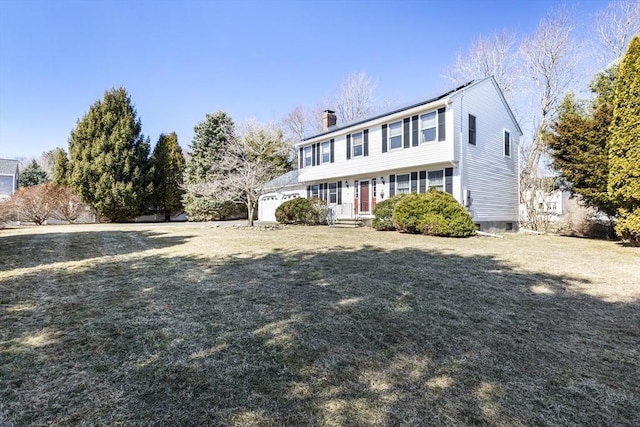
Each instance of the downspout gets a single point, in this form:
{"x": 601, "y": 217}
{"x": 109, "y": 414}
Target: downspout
{"x": 462, "y": 166}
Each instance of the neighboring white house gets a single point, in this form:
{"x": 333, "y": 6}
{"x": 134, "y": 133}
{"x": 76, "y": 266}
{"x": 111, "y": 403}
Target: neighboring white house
{"x": 464, "y": 142}
{"x": 9, "y": 178}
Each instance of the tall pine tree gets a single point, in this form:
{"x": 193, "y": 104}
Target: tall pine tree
{"x": 624, "y": 145}
{"x": 108, "y": 164}
{"x": 168, "y": 166}
{"x": 211, "y": 137}
{"x": 32, "y": 174}
{"x": 578, "y": 144}
{"x": 60, "y": 167}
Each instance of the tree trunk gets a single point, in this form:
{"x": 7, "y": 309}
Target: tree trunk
{"x": 250, "y": 210}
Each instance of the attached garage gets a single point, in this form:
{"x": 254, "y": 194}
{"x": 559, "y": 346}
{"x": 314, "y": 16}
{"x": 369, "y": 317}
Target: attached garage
{"x": 278, "y": 191}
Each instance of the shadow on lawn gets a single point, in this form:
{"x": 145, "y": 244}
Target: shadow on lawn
{"x": 31, "y": 250}
{"x": 343, "y": 337}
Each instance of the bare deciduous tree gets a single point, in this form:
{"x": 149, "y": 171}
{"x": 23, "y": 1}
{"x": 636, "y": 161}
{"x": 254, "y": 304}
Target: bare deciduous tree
{"x": 549, "y": 57}
{"x": 33, "y": 204}
{"x": 68, "y": 206}
{"x": 256, "y": 156}
{"x": 355, "y": 98}
{"x": 615, "y": 25}
{"x": 494, "y": 55}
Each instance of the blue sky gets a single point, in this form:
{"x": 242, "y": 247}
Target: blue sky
{"x": 252, "y": 59}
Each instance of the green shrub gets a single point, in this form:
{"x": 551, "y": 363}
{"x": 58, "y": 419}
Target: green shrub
{"x": 201, "y": 208}
{"x": 434, "y": 213}
{"x": 384, "y": 214}
{"x": 302, "y": 211}
{"x": 628, "y": 226}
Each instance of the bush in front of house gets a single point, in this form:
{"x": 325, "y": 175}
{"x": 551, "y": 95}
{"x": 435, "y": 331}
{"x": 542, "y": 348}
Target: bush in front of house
{"x": 302, "y": 211}
{"x": 383, "y": 212}
{"x": 434, "y": 213}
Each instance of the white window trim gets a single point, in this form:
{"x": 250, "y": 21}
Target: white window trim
{"x": 304, "y": 154}
{"x": 401, "y": 135}
{"x": 408, "y": 175}
{"x": 322, "y": 145}
{"x": 422, "y": 128}
{"x": 442, "y": 186}
{"x": 353, "y": 145}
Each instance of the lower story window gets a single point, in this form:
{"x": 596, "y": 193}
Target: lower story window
{"x": 315, "y": 190}
{"x": 402, "y": 184}
{"x": 333, "y": 193}
{"x": 436, "y": 180}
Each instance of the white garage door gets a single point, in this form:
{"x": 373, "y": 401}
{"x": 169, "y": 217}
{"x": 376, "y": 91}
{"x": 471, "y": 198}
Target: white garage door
{"x": 268, "y": 205}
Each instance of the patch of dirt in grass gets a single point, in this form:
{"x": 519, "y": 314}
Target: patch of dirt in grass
{"x": 175, "y": 325}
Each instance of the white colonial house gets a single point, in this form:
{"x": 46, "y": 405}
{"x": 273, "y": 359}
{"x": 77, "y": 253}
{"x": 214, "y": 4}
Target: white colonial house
{"x": 464, "y": 142}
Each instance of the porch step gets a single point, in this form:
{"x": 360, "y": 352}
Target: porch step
{"x": 347, "y": 223}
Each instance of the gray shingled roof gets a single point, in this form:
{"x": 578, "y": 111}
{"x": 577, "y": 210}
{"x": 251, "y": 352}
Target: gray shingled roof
{"x": 289, "y": 179}
{"x": 8, "y": 167}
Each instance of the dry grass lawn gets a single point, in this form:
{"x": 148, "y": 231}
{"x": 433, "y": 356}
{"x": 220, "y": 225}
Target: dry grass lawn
{"x": 190, "y": 325}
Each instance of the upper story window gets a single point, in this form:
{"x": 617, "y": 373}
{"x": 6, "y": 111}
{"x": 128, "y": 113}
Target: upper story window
{"x": 428, "y": 127}
{"x": 395, "y": 135}
{"x": 507, "y": 143}
{"x": 307, "y": 156}
{"x": 356, "y": 144}
{"x": 325, "y": 153}
{"x": 472, "y": 129}
{"x": 433, "y": 126}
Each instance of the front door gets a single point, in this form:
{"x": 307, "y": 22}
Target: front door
{"x": 364, "y": 197}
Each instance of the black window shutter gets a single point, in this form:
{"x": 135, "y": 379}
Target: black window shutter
{"x": 392, "y": 185}
{"x": 348, "y": 147}
{"x": 407, "y": 143}
{"x": 414, "y": 131}
{"x": 414, "y": 182}
{"x": 308, "y": 191}
{"x": 339, "y": 192}
{"x": 301, "y": 157}
{"x": 442, "y": 135}
{"x": 366, "y": 142}
{"x": 384, "y": 138}
{"x": 313, "y": 155}
{"x": 423, "y": 181}
{"x": 332, "y": 143}
{"x": 318, "y": 154}
{"x": 448, "y": 180}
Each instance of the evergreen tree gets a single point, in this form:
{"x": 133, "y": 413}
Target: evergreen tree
{"x": 211, "y": 137}
{"x": 108, "y": 164}
{"x": 60, "y": 167}
{"x": 168, "y": 166}
{"x": 32, "y": 174}
{"x": 624, "y": 145}
{"x": 578, "y": 144}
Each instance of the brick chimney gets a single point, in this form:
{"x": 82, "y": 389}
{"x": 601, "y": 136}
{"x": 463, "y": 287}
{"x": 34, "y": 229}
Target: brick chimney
{"x": 328, "y": 119}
